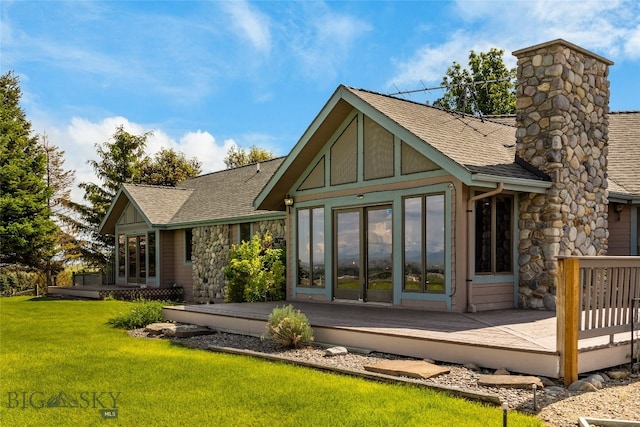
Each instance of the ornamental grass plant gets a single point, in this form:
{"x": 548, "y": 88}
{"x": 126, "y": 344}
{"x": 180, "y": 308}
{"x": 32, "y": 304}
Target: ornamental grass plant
{"x": 288, "y": 327}
{"x": 140, "y": 314}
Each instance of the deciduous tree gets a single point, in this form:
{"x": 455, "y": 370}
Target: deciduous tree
{"x": 485, "y": 88}
{"x": 238, "y": 156}
{"x": 59, "y": 180}
{"x": 167, "y": 168}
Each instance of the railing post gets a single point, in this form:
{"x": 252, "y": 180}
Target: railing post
{"x": 568, "y": 317}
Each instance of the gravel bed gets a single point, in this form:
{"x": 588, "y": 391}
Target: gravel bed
{"x": 555, "y": 405}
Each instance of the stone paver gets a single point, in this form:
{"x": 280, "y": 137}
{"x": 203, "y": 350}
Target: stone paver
{"x": 408, "y": 368}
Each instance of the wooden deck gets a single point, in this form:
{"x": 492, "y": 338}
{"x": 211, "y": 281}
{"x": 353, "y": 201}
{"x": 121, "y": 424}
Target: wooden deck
{"x": 521, "y": 341}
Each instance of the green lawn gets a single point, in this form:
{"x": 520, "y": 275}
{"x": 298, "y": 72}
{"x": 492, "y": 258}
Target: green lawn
{"x": 63, "y": 353}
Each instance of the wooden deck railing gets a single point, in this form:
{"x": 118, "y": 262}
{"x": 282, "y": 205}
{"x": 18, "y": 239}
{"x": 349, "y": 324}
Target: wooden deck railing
{"x": 595, "y": 298}
{"x": 92, "y": 279}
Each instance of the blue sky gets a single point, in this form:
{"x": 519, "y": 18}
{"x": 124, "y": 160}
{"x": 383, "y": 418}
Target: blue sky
{"x": 203, "y": 75}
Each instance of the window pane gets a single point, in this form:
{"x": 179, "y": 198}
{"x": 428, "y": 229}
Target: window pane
{"x": 379, "y": 246}
{"x": 318, "y": 248}
{"x": 483, "y": 236}
{"x": 435, "y": 243}
{"x": 121, "y": 255}
{"x": 348, "y": 250}
{"x": 151, "y": 240}
{"x": 245, "y": 232}
{"x": 503, "y": 234}
{"x": 304, "y": 242}
{"x": 142, "y": 254}
{"x": 188, "y": 244}
{"x": 413, "y": 244}
{"x": 132, "y": 246}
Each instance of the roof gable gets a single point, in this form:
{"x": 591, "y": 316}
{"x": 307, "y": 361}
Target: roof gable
{"x": 224, "y": 196}
{"x": 464, "y": 146}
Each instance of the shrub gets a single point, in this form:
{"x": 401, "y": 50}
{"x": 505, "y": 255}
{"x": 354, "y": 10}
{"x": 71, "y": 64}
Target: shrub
{"x": 256, "y": 271}
{"x": 289, "y": 328}
{"x": 141, "y": 314}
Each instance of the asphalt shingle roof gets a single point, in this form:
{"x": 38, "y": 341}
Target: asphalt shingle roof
{"x": 226, "y": 194}
{"x": 159, "y": 204}
{"x": 480, "y": 145}
{"x": 216, "y": 196}
{"x": 484, "y": 145}
{"x": 624, "y": 153}
{"x": 487, "y": 145}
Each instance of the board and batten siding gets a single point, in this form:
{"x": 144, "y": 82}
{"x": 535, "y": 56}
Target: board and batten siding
{"x": 619, "y": 231}
{"x": 173, "y": 268}
{"x": 167, "y": 254}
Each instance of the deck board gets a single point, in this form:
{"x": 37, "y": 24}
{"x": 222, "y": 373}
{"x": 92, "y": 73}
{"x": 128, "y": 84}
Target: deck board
{"x": 521, "y": 341}
{"x": 521, "y": 329}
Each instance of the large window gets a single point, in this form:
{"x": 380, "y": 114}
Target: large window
{"x": 311, "y": 272}
{"x": 424, "y": 244}
{"x": 493, "y": 225}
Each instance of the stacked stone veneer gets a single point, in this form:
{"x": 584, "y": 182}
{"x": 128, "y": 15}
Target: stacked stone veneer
{"x": 562, "y": 130}
{"x": 210, "y": 256}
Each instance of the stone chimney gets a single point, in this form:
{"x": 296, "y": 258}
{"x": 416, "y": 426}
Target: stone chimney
{"x": 562, "y": 129}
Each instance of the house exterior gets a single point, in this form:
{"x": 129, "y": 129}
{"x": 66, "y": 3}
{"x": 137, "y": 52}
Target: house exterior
{"x": 181, "y": 236}
{"x": 399, "y": 203}
{"x": 387, "y": 201}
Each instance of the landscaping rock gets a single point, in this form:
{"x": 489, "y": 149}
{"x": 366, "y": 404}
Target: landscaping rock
{"x": 158, "y": 328}
{"x": 510, "y": 381}
{"x": 547, "y": 382}
{"x": 335, "y": 351}
{"x": 408, "y": 368}
{"x": 501, "y": 371}
{"x": 618, "y": 375}
{"x": 177, "y": 330}
{"x": 596, "y": 380}
{"x": 554, "y": 391}
{"x": 582, "y": 385}
{"x": 472, "y": 367}
{"x": 186, "y": 331}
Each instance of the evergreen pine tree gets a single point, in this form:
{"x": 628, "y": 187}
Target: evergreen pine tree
{"x": 27, "y": 232}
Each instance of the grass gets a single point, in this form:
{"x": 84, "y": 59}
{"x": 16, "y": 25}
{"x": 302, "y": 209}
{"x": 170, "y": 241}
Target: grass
{"x": 65, "y": 349}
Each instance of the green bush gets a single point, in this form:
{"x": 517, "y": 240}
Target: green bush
{"x": 288, "y": 327}
{"x": 256, "y": 271}
{"x": 141, "y": 314}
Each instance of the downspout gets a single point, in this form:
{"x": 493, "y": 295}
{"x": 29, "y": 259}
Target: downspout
{"x": 471, "y": 308}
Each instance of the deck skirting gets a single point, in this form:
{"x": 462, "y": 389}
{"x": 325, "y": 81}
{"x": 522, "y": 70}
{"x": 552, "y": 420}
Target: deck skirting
{"x": 383, "y": 334}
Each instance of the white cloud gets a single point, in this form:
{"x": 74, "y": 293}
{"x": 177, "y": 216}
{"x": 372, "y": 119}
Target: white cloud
{"x": 632, "y": 44}
{"x": 249, "y": 24}
{"x": 323, "y": 39}
{"x": 79, "y": 137}
{"x": 428, "y": 63}
{"x": 609, "y": 28}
